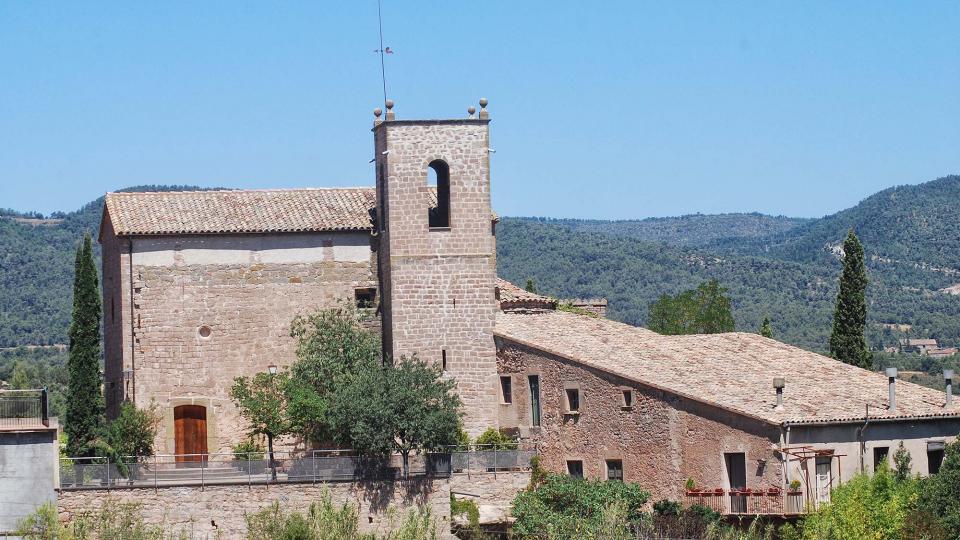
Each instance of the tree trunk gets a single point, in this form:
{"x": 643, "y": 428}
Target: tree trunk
{"x": 406, "y": 463}
{"x": 273, "y": 464}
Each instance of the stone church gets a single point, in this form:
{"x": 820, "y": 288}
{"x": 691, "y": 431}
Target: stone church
{"x": 201, "y": 287}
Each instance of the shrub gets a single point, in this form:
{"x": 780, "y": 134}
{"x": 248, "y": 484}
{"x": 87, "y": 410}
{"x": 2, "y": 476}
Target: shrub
{"x": 666, "y": 507}
{"x": 112, "y": 521}
{"x": 564, "y": 507}
{"x": 940, "y": 493}
{"x": 248, "y": 450}
{"x": 130, "y": 434}
{"x": 493, "y": 439}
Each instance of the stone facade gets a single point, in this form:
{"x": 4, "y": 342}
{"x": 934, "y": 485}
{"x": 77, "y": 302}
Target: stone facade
{"x": 661, "y": 439}
{"x": 202, "y": 310}
{"x": 213, "y": 510}
{"x": 438, "y": 282}
{"x": 380, "y": 505}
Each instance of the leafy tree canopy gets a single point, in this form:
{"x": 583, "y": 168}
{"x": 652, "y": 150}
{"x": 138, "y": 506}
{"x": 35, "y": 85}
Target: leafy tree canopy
{"x": 704, "y": 310}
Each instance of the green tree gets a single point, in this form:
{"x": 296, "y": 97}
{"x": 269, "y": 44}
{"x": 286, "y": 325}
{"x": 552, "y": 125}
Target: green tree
{"x": 84, "y": 398}
{"x": 564, "y": 507}
{"x": 847, "y": 341}
{"x": 704, "y": 310}
{"x": 20, "y": 378}
{"x": 130, "y": 435}
{"x": 940, "y": 493}
{"x": 404, "y": 407}
{"x": 902, "y": 463}
{"x": 765, "y": 329}
{"x": 263, "y": 404}
{"x": 530, "y": 287}
{"x": 330, "y": 343}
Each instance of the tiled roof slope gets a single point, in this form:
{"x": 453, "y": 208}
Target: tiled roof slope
{"x": 732, "y": 371}
{"x": 240, "y": 211}
{"x": 513, "y": 297}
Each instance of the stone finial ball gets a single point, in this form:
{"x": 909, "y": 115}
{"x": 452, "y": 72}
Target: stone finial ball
{"x": 471, "y": 109}
{"x": 389, "y": 104}
{"x": 483, "y": 102}
{"x": 377, "y": 112}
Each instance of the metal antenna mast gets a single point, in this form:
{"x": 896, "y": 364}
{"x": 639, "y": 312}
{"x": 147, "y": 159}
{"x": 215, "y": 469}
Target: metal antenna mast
{"x": 383, "y": 71}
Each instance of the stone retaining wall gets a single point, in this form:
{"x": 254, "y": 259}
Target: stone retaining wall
{"x": 203, "y": 513}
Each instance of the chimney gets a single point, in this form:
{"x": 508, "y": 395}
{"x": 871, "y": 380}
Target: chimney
{"x": 778, "y": 384}
{"x": 948, "y": 379}
{"x": 892, "y": 383}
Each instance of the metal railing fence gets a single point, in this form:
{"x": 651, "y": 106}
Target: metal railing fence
{"x": 167, "y": 470}
{"x": 23, "y": 409}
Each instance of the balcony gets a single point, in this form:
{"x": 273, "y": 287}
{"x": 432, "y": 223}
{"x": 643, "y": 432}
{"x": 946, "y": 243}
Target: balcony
{"x": 23, "y": 410}
{"x": 749, "y": 502}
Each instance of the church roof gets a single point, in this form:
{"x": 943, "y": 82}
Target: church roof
{"x": 732, "y": 371}
{"x": 512, "y": 297}
{"x": 240, "y": 211}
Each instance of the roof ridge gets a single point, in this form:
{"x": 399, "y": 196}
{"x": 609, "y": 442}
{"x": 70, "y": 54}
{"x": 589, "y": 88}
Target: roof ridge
{"x": 256, "y": 190}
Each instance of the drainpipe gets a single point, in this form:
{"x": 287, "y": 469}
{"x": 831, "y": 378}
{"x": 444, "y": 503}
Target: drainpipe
{"x": 948, "y": 379}
{"x": 133, "y": 323}
{"x": 863, "y": 438}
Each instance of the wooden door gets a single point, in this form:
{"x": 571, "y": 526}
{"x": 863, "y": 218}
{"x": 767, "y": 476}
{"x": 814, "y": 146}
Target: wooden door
{"x": 190, "y": 433}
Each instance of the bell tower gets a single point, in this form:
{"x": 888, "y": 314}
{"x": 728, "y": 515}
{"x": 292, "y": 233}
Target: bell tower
{"x": 436, "y": 251}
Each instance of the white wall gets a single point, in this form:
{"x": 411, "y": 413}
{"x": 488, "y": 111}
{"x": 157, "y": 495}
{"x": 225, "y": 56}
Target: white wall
{"x": 243, "y": 249}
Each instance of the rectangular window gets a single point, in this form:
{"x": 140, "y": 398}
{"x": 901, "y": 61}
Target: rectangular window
{"x": 506, "y": 389}
{"x": 627, "y": 399}
{"x": 573, "y": 400}
{"x": 575, "y": 468}
{"x": 615, "y": 469}
{"x": 534, "y": 381}
{"x": 365, "y": 297}
{"x": 443, "y": 359}
{"x": 934, "y": 456}
{"x": 880, "y": 454}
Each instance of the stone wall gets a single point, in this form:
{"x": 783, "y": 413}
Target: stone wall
{"x": 662, "y": 439}
{"x": 439, "y": 282}
{"x": 381, "y": 504}
{"x": 204, "y": 310}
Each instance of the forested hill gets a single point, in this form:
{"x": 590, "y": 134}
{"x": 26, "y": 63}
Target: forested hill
{"x": 784, "y": 268}
{"x": 913, "y": 225}
{"x": 631, "y": 274}
{"x": 694, "y": 230}
{"x": 36, "y": 270}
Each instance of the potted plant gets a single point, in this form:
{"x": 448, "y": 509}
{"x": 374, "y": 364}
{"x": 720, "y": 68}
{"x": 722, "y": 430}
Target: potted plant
{"x": 794, "y": 487}
{"x": 691, "y": 487}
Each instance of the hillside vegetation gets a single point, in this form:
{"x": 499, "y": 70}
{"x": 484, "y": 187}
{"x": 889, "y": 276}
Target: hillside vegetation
{"x": 777, "y": 267}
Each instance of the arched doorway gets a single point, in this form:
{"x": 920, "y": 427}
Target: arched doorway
{"x": 190, "y": 433}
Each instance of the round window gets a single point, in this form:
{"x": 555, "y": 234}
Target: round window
{"x": 204, "y": 331}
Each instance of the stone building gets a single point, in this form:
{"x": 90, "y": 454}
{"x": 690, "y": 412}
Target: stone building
{"x": 200, "y": 287}
{"x": 602, "y": 399}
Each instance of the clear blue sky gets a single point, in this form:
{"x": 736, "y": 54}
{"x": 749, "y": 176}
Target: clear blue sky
{"x": 600, "y": 109}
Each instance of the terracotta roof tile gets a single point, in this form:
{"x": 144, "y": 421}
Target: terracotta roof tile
{"x": 514, "y": 297}
{"x": 240, "y": 211}
{"x": 733, "y": 371}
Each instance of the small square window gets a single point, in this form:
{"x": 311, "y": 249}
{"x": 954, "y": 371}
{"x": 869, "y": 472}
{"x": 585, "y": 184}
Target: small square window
{"x": 506, "y": 389}
{"x": 615, "y": 469}
{"x": 573, "y": 400}
{"x": 366, "y": 297}
{"x": 575, "y": 468}
{"x": 626, "y": 398}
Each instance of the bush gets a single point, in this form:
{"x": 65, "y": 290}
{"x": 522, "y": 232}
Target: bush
{"x": 248, "y": 450}
{"x": 565, "y": 507}
{"x": 666, "y": 507}
{"x": 940, "y": 493}
{"x": 493, "y": 439}
{"x": 129, "y": 435}
{"x": 113, "y": 521}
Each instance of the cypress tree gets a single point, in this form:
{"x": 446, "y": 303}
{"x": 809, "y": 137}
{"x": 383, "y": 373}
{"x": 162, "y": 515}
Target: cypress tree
{"x": 847, "y": 342}
{"x": 765, "y": 329}
{"x": 84, "y": 399}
